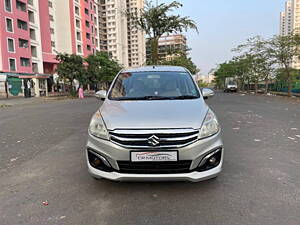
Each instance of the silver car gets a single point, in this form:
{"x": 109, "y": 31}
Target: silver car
{"x": 154, "y": 125}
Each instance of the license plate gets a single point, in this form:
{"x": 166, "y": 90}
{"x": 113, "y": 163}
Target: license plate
{"x": 169, "y": 156}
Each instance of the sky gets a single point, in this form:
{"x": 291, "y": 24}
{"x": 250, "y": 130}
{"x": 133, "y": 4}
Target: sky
{"x": 224, "y": 24}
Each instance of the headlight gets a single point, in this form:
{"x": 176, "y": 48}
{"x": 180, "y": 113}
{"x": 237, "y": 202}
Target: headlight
{"x": 97, "y": 126}
{"x": 210, "y": 125}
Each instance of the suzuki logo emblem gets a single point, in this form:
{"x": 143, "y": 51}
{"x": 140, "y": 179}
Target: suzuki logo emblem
{"x": 153, "y": 140}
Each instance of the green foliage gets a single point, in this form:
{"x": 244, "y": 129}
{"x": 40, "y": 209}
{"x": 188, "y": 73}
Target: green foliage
{"x": 158, "y": 20}
{"x": 91, "y": 70}
{"x": 184, "y": 62}
{"x": 100, "y": 67}
{"x": 202, "y": 84}
{"x": 71, "y": 67}
{"x": 259, "y": 59}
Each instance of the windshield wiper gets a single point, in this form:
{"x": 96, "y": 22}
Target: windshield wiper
{"x": 154, "y": 97}
{"x": 185, "y": 97}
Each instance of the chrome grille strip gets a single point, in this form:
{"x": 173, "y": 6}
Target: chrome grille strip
{"x": 162, "y": 139}
{"x": 154, "y": 131}
{"x": 167, "y": 138}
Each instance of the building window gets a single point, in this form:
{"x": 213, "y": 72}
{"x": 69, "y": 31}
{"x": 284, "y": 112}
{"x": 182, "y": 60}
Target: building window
{"x": 51, "y": 30}
{"x": 86, "y": 11}
{"x": 12, "y": 65}
{"x": 11, "y": 45}
{"x": 8, "y": 6}
{"x": 78, "y": 36}
{"x": 32, "y": 34}
{"x": 30, "y": 2}
{"x": 88, "y": 47}
{"x": 33, "y": 51}
{"x": 53, "y": 44}
{"x": 79, "y": 48}
{"x": 31, "y": 16}
{"x": 88, "y": 36}
{"x": 21, "y": 6}
{"x": 25, "y": 62}
{"x": 35, "y": 68}
{"x": 23, "y": 43}
{"x": 22, "y": 25}
{"x": 9, "y": 25}
{"x": 77, "y": 23}
{"x": 76, "y": 10}
{"x": 87, "y": 24}
{"x": 50, "y": 4}
{"x": 51, "y": 18}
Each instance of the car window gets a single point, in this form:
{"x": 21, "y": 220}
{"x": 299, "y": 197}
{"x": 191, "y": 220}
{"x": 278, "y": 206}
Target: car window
{"x": 153, "y": 85}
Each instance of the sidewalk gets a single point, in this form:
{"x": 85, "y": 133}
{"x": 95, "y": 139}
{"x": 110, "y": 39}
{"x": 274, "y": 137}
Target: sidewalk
{"x": 13, "y": 101}
{"x": 6, "y": 102}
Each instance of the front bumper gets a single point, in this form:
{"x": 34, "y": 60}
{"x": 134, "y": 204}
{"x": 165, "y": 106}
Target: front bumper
{"x": 194, "y": 152}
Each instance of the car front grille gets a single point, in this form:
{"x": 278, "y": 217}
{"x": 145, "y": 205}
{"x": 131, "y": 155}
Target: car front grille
{"x": 154, "y": 167}
{"x": 145, "y": 139}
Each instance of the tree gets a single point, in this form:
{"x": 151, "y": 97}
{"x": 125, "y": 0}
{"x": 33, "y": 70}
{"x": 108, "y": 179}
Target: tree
{"x": 285, "y": 50}
{"x": 70, "y": 68}
{"x": 183, "y": 61}
{"x": 157, "y": 21}
{"x": 241, "y": 68}
{"x": 260, "y": 62}
{"x": 101, "y": 68}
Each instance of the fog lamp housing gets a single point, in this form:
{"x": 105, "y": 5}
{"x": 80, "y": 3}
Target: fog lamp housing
{"x": 211, "y": 160}
{"x": 98, "y": 161}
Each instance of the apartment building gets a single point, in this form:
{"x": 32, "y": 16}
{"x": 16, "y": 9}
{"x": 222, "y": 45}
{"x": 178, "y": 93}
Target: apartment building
{"x": 286, "y": 18}
{"x": 33, "y": 31}
{"x": 169, "y": 47}
{"x": 290, "y": 23}
{"x": 117, "y": 34}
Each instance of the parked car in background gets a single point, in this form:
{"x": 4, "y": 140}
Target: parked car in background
{"x": 154, "y": 125}
{"x": 230, "y": 84}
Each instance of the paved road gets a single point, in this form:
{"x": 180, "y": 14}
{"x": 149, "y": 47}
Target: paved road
{"x": 42, "y": 159}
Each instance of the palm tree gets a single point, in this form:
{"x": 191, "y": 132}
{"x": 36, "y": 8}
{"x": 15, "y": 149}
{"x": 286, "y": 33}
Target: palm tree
{"x": 156, "y": 21}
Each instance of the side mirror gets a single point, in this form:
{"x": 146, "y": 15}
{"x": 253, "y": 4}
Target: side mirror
{"x": 101, "y": 95}
{"x": 206, "y": 92}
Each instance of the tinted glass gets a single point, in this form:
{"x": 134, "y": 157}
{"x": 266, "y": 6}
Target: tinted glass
{"x": 154, "y": 86}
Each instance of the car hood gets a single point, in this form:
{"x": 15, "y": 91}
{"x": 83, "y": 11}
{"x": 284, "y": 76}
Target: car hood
{"x": 161, "y": 114}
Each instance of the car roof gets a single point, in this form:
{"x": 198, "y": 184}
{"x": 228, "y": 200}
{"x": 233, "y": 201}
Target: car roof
{"x": 156, "y": 69}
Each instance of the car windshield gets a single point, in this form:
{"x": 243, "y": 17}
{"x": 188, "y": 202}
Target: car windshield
{"x": 154, "y": 86}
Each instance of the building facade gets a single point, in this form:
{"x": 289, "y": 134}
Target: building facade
{"x": 286, "y": 18}
{"x": 33, "y": 31}
{"x": 169, "y": 47}
{"x": 118, "y": 36}
{"x": 290, "y": 23}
